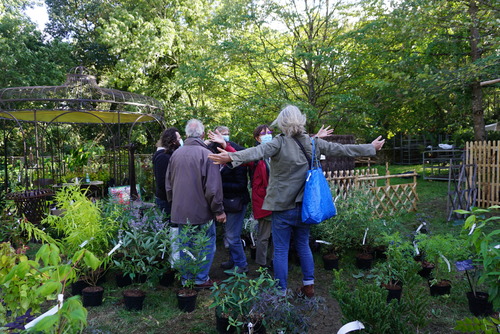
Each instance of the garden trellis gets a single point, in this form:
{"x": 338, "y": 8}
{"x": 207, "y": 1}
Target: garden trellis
{"x": 77, "y": 103}
{"x": 386, "y": 199}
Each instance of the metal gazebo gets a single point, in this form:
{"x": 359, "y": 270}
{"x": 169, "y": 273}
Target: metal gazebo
{"x": 29, "y": 113}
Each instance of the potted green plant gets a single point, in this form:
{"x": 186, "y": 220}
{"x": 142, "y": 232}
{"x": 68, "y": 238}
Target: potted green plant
{"x": 398, "y": 267}
{"x": 193, "y": 241}
{"x": 45, "y": 278}
{"x": 441, "y": 250}
{"x": 482, "y": 240}
{"x": 145, "y": 246}
{"x": 236, "y": 301}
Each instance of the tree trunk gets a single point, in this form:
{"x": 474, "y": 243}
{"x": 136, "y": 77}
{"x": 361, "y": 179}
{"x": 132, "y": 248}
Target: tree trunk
{"x": 477, "y": 93}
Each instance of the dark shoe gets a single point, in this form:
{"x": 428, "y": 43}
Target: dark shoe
{"x": 227, "y": 265}
{"x": 207, "y": 285}
{"x": 239, "y": 270}
{"x": 306, "y": 291}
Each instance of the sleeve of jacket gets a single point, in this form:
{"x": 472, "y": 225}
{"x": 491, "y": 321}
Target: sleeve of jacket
{"x": 213, "y": 188}
{"x": 168, "y": 185}
{"x": 342, "y": 150}
{"x": 255, "y": 153}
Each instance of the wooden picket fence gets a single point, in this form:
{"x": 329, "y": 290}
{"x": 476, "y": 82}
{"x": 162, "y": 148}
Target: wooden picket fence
{"x": 387, "y": 199}
{"x": 484, "y": 155}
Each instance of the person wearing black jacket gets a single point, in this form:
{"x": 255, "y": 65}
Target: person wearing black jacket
{"x": 236, "y": 199}
{"x": 169, "y": 141}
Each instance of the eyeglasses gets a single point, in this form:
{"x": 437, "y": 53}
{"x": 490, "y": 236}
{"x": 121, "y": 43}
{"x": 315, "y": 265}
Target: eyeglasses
{"x": 268, "y": 132}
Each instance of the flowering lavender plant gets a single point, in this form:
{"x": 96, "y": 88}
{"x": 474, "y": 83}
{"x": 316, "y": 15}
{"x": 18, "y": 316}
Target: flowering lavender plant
{"x": 145, "y": 244}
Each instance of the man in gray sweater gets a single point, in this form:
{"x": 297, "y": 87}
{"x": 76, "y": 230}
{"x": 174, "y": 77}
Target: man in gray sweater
{"x": 193, "y": 185}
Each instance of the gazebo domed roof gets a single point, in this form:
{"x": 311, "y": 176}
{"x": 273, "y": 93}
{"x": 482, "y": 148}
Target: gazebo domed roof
{"x": 78, "y": 100}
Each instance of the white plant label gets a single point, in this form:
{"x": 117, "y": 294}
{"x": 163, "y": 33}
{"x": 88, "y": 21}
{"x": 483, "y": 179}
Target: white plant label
{"x": 115, "y": 248}
{"x": 323, "y": 242}
{"x": 420, "y": 227}
{"x": 52, "y": 311}
{"x": 350, "y": 327}
{"x": 251, "y": 237}
{"x": 185, "y": 251}
{"x": 364, "y": 237}
{"x": 83, "y": 244}
{"x": 472, "y": 228}
{"x": 447, "y": 262}
{"x": 417, "y": 252}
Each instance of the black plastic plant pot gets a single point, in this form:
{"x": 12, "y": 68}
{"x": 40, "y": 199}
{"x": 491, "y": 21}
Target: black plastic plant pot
{"x": 441, "y": 288}
{"x": 92, "y": 296}
{"x": 479, "y": 304}
{"x": 134, "y": 299}
{"x": 364, "y": 261}
{"x": 394, "y": 292}
{"x": 330, "y": 261}
{"x": 186, "y": 301}
{"x": 222, "y": 325}
{"x": 78, "y": 286}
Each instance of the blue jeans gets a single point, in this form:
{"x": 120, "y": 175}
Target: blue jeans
{"x": 284, "y": 223}
{"x": 209, "y": 252}
{"x": 234, "y": 225}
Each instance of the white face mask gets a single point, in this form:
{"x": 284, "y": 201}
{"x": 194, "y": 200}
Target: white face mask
{"x": 181, "y": 142}
{"x": 266, "y": 138}
{"x": 225, "y": 137}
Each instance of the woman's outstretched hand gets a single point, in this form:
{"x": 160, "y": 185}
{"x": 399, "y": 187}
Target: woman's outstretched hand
{"x": 378, "y": 143}
{"x": 221, "y": 158}
{"x": 323, "y": 132}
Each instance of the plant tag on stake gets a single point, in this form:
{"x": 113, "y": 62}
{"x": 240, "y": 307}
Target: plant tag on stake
{"x": 420, "y": 227}
{"x": 323, "y": 242}
{"x": 350, "y": 327}
{"x": 447, "y": 262}
{"x": 83, "y": 244}
{"x": 185, "y": 251}
{"x": 473, "y": 227}
{"x": 417, "y": 252}
{"x": 115, "y": 248}
{"x": 364, "y": 237}
{"x": 52, "y": 311}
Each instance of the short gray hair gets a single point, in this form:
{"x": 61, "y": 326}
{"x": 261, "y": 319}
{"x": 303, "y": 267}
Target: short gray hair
{"x": 291, "y": 121}
{"x": 194, "y": 128}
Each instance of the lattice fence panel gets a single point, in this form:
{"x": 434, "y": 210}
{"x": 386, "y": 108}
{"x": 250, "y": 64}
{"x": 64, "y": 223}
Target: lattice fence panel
{"x": 396, "y": 198}
{"x": 387, "y": 199}
{"x": 485, "y": 155}
{"x": 344, "y": 180}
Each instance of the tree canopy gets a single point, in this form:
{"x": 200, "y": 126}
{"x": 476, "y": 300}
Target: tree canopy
{"x": 366, "y": 67}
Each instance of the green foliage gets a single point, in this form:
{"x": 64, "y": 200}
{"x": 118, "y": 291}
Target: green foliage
{"x": 145, "y": 245}
{"x": 193, "y": 243}
{"x": 483, "y": 239}
{"x": 81, "y": 222}
{"x": 487, "y": 325}
{"x": 25, "y": 284}
{"x": 367, "y": 303}
{"x": 437, "y": 246}
{"x": 354, "y": 215}
{"x": 237, "y": 296}
{"x": 400, "y": 265}
{"x": 70, "y": 318}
